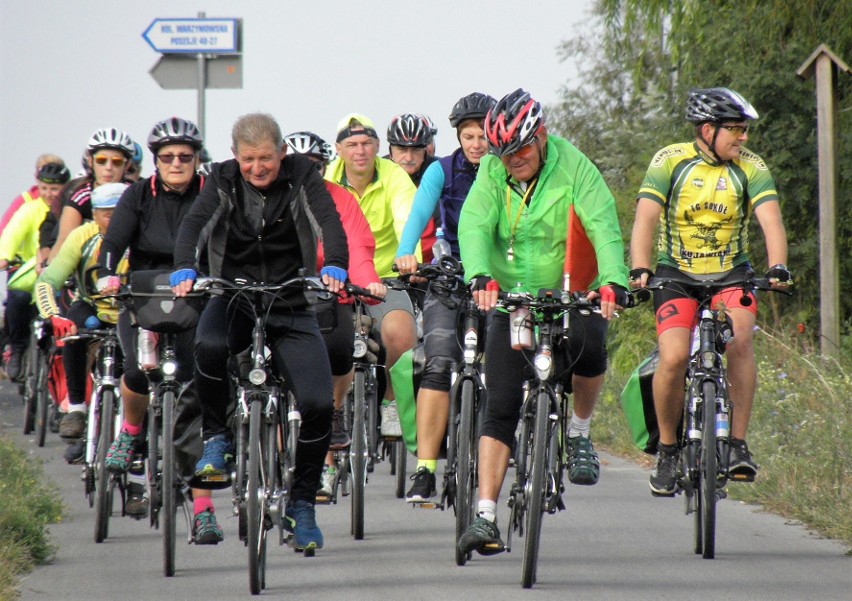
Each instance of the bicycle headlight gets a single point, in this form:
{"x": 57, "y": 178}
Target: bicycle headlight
{"x": 169, "y": 368}
{"x": 360, "y": 349}
{"x": 257, "y": 376}
{"x": 543, "y": 365}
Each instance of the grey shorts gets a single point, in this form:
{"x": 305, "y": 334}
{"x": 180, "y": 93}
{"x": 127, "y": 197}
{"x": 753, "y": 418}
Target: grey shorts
{"x": 395, "y": 300}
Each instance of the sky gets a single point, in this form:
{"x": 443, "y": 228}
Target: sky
{"x": 70, "y": 67}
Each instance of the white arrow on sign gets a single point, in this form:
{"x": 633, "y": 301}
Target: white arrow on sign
{"x": 178, "y": 36}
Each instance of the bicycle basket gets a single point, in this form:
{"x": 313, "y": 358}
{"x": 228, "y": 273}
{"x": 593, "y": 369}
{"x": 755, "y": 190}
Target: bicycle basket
{"x": 156, "y": 308}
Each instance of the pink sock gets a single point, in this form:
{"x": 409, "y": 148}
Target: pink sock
{"x": 132, "y": 430}
{"x": 200, "y": 504}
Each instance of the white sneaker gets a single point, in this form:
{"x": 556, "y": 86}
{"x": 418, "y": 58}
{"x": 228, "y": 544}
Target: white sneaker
{"x": 327, "y": 481}
{"x": 390, "y": 421}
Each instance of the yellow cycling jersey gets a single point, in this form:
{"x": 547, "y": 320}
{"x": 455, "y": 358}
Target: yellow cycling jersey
{"x": 77, "y": 256}
{"x": 706, "y": 206}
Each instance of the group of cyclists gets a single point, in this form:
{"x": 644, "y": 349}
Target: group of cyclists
{"x": 504, "y": 200}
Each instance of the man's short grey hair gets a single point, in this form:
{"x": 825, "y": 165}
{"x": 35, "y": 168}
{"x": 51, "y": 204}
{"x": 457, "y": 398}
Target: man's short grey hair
{"x": 255, "y": 129}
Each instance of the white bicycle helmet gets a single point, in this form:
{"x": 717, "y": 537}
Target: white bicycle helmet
{"x": 111, "y": 138}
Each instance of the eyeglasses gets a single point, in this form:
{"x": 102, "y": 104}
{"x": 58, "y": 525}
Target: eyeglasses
{"x": 525, "y": 151}
{"x": 169, "y": 158}
{"x": 116, "y": 161}
{"x": 737, "y": 130}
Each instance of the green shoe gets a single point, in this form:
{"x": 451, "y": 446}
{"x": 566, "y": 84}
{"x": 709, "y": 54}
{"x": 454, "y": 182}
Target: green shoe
{"x": 583, "y": 464}
{"x": 482, "y": 536}
{"x": 206, "y": 530}
{"x": 122, "y": 452}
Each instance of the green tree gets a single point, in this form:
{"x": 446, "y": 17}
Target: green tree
{"x": 642, "y": 56}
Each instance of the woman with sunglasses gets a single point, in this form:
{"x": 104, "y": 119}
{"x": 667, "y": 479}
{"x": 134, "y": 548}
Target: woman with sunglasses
{"x": 107, "y": 156}
{"x": 146, "y": 222}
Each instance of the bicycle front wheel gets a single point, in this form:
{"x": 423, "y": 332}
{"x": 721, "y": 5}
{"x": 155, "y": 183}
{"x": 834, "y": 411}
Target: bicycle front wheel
{"x": 103, "y": 482}
{"x": 465, "y": 465}
{"x": 707, "y": 473}
{"x": 255, "y": 497}
{"x": 168, "y": 484}
{"x": 28, "y": 369}
{"x": 42, "y": 395}
{"x": 535, "y": 489}
{"x": 358, "y": 454}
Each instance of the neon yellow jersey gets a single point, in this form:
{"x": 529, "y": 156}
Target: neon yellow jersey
{"x": 386, "y": 204}
{"x": 706, "y": 206}
{"x": 77, "y": 255}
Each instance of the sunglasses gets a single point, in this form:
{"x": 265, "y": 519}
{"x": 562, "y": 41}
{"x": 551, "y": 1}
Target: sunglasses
{"x": 116, "y": 161}
{"x": 169, "y": 158}
{"x": 737, "y": 130}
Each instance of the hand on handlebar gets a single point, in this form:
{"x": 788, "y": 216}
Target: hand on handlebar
{"x": 485, "y": 292}
{"x": 408, "y": 265}
{"x": 613, "y": 297}
{"x": 182, "y": 281}
{"x": 333, "y": 277}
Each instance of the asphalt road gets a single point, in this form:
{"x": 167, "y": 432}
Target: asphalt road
{"x": 614, "y": 542}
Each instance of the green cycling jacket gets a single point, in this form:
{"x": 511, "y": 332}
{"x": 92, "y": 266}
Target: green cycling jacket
{"x": 539, "y": 230}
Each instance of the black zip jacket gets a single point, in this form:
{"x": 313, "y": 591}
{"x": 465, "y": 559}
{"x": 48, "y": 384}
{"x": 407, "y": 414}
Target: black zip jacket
{"x": 298, "y": 211}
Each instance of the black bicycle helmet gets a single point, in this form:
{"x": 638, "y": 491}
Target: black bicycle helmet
{"x": 717, "y": 105}
{"x": 53, "y": 173}
{"x": 308, "y": 144}
{"x": 472, "y": 106}
{"x": 111, "y": 138}
{"x": 409, "y": 130}
{"x": 513, "y": 122}
{"x": 174, "y": 131}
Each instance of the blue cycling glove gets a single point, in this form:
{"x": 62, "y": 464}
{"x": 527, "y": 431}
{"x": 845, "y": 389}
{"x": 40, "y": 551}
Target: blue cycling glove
{"x": 182, "y": 275}
{"x": 337, "y": 273}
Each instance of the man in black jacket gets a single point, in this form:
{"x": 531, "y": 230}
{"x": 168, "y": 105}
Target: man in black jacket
{"x": 259, "y": 216}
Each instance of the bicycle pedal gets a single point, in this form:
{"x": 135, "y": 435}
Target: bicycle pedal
{"x": 322, "y": 500}
{"x": 741, "y": 477}
{"x": 212, "y": 482}
{"x": 427, "y": 505}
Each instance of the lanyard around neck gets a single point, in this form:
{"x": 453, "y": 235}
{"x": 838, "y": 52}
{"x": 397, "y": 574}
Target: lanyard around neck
{"x": 529, "y": 190}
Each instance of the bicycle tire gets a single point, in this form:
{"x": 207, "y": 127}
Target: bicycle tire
{"x": 465, "y": 460}
{"x": 254, "y": 499}
{"x": 152, "y": 466}
{"x": 43, "y": 399}
{"x": 28, "y": 368}
{"x": 535, "y": 490}
{"x": 399, "y": 465}
{"x": 372, "y": 429}
{"x": 358, "y": 454}
{"x": 708, "y": 470}
{"x": 168, "y": 483}
{"x": 696, "y": 507}
{"x": 103, "y": 482}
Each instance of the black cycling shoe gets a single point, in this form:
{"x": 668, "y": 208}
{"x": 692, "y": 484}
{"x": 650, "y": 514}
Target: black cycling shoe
{"x": 664, "y": 475}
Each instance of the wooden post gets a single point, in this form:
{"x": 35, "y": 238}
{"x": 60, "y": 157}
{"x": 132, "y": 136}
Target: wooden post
{"x": 822, "y": 64}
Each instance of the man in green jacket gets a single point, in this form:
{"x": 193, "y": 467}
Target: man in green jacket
{"x": 512, "y": 235}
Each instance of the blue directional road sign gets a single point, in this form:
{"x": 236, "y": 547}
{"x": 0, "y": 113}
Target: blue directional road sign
{"x": 185, "y": 36}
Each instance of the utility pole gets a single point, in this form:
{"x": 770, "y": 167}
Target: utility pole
{"x": 822, "y": 65}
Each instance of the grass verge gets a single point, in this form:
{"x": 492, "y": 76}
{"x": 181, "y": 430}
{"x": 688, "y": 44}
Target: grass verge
{"x": 800, "y": 432}
{"x": 27, "y": 506}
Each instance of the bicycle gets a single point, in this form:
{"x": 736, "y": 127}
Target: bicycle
{"x": 361, "y": 413}
{"x": 467, "y": 402}
{"x": 37, "y": 398}
{"x": 157, "y": 311}
{"x": 266, "y": 436}
{"x": 703, "y": 466}
{"x": 541, "y": 451}
{"x": 103, "y": 422}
